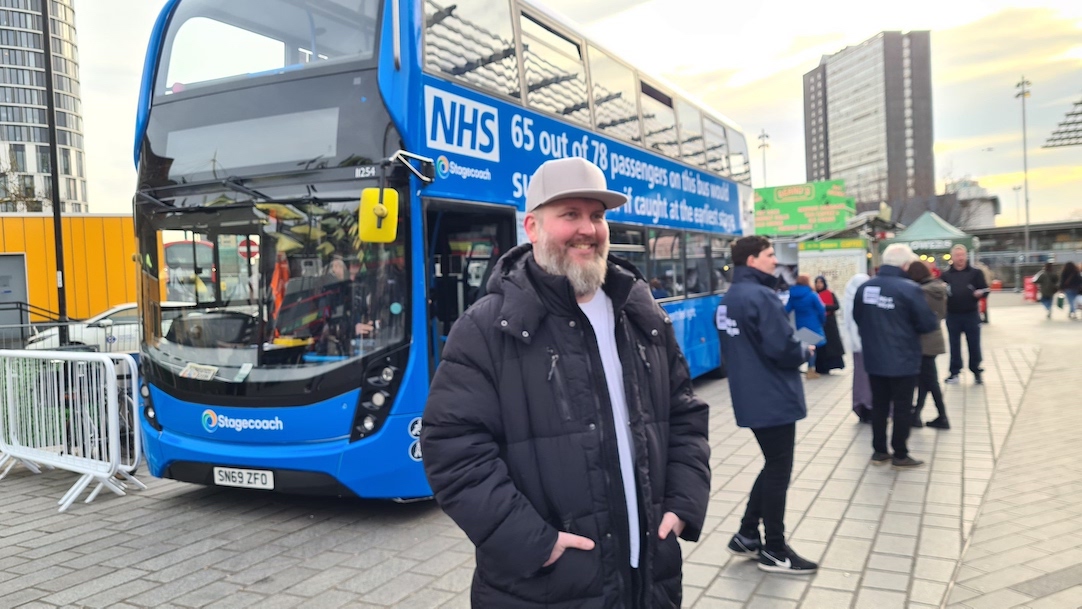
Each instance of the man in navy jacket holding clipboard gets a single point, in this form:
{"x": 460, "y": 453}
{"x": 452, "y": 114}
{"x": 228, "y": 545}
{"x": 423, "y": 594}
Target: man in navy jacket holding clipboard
{"x": 892, "y": 313}
{"x": 763, "y": 358}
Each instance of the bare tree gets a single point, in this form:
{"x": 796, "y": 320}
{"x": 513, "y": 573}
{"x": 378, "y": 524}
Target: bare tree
{"x": 18, "y": 192}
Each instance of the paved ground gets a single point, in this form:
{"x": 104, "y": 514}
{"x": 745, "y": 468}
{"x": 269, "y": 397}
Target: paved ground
{"x": 995, "y": 520}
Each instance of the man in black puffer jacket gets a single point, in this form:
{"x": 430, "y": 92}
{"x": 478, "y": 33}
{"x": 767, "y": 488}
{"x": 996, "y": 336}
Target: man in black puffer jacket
{"x": 561, "y": 431}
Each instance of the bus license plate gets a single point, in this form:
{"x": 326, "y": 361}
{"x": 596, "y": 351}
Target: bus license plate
{"x": 244, "y": 478}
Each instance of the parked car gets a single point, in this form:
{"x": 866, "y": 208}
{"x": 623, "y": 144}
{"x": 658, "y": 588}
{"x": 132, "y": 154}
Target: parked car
{"x": 115, "y": 330}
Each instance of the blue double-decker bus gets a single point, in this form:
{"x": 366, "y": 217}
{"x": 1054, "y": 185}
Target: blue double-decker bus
{"x": 354, "y": 169}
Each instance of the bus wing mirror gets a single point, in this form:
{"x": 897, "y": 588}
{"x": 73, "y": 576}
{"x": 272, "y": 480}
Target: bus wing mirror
{"x": 378, "y": 215}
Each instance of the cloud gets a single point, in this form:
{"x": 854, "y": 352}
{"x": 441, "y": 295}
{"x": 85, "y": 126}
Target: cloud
{"x": 1015, "y": 41}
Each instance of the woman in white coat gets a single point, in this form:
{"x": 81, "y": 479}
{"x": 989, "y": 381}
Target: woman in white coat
{"x": 862, "y": 388}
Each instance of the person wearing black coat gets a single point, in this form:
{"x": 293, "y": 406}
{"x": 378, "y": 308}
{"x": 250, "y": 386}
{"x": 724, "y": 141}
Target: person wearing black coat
{"x": 829, "y": 356}
{"x": 763, "y": 358}
{"x": 1071, "y": 282}
{"x": 967, "y": 286}
{"x": 892, "y": 313}
{"x": 561, "y": 431}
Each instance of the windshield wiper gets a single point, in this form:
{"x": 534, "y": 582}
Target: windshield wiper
{"x": 149, "y": 198}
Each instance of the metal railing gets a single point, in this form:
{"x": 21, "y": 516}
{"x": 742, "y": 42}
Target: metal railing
{"x": 1012, "y": 268}
{"x": 75, "y": 411}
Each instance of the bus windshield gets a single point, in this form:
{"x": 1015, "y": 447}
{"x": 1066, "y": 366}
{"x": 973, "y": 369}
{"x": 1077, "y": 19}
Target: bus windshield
{"x": 210, "y": 41}
{"x": 255, "y": 87}
{"x": 292, "y": 287}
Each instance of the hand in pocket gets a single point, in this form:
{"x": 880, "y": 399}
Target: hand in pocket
{"x": 568, "y": 541}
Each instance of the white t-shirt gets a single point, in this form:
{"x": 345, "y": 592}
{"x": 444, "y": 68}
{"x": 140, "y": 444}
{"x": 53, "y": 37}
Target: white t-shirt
{"x": 603, "y": 320}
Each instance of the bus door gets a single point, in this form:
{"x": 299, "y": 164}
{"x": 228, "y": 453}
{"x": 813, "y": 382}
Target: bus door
{"x": 464, "y": 242}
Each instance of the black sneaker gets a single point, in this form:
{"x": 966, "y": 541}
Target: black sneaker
{"x": 906, "y": 463}
{"x": 977, "y": 378}
{"x": 940, "y": 423}
{"x": 916, "y": 422}
{"x": 785, "y": 561}
{"x": 880, "y": 458}
{"x": 744, "y": 546}
{"x": 952, "y": 379}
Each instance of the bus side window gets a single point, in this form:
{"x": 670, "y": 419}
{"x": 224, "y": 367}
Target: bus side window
{"x": 691, "y": 133}
{"x": 717, "y": 148}
{"x": 698, "y": 265}
{"x": 616, "y": 112}
{"x": 473, "y": 40}
{"x": 667, "y": 261}
{"x": 555, "y": 75}
{"x": 660, "y": 121}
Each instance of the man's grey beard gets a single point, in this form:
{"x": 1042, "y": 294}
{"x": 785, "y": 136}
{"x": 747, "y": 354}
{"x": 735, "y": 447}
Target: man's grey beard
{"x": 585, "y": 278}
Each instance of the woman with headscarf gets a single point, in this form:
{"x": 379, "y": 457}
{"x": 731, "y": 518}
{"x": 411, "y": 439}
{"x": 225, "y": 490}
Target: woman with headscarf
{"x": 809, "y": 313}
{"x": 829, "y": 357}
{"x": 862, "y": 387}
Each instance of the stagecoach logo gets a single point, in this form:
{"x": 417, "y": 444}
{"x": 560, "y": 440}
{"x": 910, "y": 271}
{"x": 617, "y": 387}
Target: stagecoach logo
{"x": 210, "y": 420}
{"x": 461, "y": 126}
{"x": 213, "y": 421}
{"x": 443, "y": 167}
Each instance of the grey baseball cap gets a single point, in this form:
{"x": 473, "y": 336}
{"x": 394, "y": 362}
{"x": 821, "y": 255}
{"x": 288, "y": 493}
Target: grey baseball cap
{"x": 570, "y": 178}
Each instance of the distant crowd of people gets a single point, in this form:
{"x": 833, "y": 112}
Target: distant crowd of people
{"x": 1063, "y": 287}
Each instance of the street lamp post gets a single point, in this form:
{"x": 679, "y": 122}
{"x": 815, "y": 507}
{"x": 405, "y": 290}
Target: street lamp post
{"x": 763, "y": 145}
{"x": 54, "y": 177}
{"x": 1023, "y": 92}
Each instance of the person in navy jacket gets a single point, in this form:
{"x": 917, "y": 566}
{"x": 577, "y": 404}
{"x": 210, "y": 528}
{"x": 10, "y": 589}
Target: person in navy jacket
{"x": 892, "y": 313}
{"x": 763, "y": 358}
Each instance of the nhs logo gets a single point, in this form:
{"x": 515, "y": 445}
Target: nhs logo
{"x": 462, "y": 126}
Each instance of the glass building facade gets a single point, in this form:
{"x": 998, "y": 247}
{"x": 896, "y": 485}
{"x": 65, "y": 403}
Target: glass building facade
{"x": 868, "y": 119}
{"x": 25, "y": 164}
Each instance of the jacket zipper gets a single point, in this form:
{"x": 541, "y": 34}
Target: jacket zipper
{"x": 555, "y": 377}
{"x": 617, "y": 506}
{"x": 649, "y": 376}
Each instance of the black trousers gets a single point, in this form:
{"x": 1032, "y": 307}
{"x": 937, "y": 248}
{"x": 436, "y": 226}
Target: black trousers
{"x": 970, "y": 325}
{"x": 888, "y": 391}
{"x": 767, "y": 500}
{"x": 928, "y": 382}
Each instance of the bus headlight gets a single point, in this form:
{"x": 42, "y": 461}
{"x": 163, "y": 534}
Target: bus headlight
{"x": 151, "y": 415}
{"x": 382, "y": 379}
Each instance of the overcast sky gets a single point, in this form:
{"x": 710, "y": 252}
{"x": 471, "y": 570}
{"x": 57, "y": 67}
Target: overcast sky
{"x": 746, "y": 60}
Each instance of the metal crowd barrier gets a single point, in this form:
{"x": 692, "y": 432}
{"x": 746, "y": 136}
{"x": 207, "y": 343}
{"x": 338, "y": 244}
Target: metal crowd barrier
{"x": 71, "y": 411}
